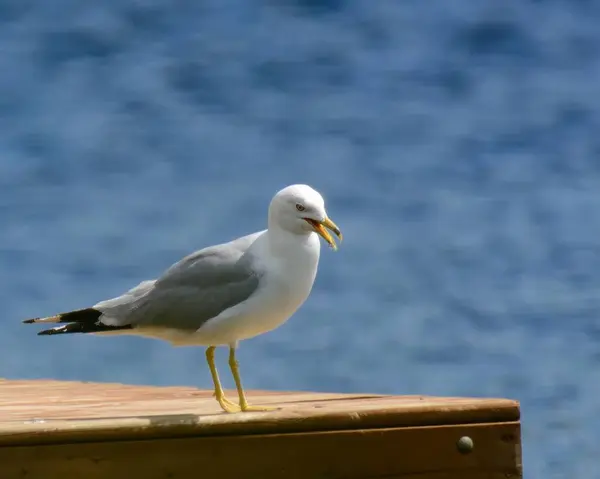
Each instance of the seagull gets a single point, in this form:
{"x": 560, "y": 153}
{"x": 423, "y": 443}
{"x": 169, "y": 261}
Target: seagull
{"x": 222, "y": 294}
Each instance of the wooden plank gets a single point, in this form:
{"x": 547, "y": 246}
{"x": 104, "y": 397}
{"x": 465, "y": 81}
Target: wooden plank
{"x": 423, "y": 452}
{"x": 452, "y": 475}
{"x": 42, "y": 412}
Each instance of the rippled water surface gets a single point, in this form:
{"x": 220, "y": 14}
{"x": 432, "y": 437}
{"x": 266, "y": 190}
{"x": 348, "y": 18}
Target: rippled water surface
{"x": 456, "y": 144}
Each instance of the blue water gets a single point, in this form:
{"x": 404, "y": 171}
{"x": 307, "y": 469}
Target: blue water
{"x": 456, "y": 143}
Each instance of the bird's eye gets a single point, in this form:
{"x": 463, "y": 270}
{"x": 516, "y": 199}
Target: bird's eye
{"x": 299, "y": 207}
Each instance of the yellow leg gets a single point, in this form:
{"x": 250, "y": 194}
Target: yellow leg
{"x": 235, "y": 370}
{"x": 225, "y": 403}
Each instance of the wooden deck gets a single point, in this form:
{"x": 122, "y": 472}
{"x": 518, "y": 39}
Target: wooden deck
{"x": 69, "y": 430}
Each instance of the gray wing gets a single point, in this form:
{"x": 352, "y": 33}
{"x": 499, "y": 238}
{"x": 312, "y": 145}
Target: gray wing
{"x": 126, "y": 299}
{"x": 189, "y": 293}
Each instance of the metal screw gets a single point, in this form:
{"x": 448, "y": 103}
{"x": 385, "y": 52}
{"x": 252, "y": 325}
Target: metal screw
{"x": 465, "y": 445}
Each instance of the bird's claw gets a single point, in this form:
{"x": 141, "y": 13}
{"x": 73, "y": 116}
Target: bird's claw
{"x": 227, "y": 405}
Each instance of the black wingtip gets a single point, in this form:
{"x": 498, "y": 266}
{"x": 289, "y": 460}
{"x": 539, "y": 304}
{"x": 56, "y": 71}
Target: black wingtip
{"x": 87, "y": 315}
{"x": 67, "y": 328}
{"x": 83, "y": 328}
{"x": 46, "y": 332}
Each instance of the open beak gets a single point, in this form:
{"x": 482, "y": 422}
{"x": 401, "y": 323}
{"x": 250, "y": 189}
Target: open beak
{"x": 322, "y": 227}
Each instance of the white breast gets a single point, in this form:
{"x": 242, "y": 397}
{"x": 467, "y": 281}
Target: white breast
{"x": 286, "y": 283}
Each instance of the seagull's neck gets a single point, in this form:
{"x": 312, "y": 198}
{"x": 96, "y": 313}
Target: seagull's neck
{"x": 282, "y": 242}
{"x": 293, "y": 260}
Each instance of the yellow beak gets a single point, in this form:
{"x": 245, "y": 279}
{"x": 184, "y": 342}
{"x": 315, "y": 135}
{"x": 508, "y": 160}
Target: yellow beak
{"x": 319, "y": 227}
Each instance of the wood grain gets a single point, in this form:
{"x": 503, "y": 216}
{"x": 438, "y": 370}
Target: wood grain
{"x": 44, "y": 412}
{"x": 422, "y": 452}
{"x": 53, "y": 429}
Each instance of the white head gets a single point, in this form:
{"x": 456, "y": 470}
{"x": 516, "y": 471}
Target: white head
{"x": 299, "y": 209}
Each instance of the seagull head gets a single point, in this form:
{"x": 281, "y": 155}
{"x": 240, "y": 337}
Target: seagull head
{"x": 300, "y": 209}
